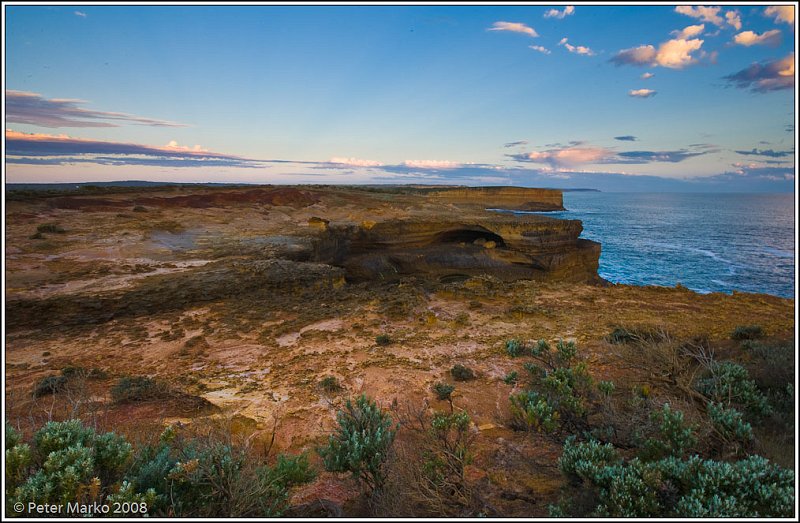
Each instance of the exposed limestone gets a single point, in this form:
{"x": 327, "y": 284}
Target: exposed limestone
{"x": 516, "y": 198}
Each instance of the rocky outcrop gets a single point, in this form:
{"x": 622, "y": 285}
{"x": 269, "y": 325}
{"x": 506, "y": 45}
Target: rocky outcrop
{"x": 516, "y": 198}
{"x": 507, "y": 247}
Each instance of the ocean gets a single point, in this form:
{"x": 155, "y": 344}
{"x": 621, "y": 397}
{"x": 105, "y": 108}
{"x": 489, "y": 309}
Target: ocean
{"x": 706, "y": 242}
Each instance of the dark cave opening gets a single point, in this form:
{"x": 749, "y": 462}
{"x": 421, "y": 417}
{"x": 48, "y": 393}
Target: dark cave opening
{"x": 469, "y": 236}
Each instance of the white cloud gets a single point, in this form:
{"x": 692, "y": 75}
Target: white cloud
{"x": 734, "y": 19}
{"x": 641, "y": 93}
{"x": 432, "y": 164}
{"x": 555, "y": 13}
{"x": 173, "y": 146}
{"x": 355, "y": 162}
{"x": 677, "y": 54}
{"x": 674, "y": 54}
{"x": 703, "y": 13}
{"x": 748, "y": 38}
{"x": 539, "y": 48}
{"x": 514, "y": 27}
{"x": 781, "y": 13}
{"x": 689, "y": 31}
{"x": 647, "y": 76}
{"x": 579, "y": 49}
{"x": 79, "y": 13}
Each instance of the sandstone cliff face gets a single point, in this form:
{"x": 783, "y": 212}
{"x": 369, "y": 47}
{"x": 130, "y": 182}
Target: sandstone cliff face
{"x": 507, "y": 247}
{"x": 516, "y": 198}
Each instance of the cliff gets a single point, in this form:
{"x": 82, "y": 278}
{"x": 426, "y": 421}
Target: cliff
{"x": 507, "y": 247}
{"x": 516, "y": 198}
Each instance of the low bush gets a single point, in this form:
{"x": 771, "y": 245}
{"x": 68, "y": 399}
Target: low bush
{"x": 330, "y": 384}
{"x": 511, "y": 378}
{"x": 747, "y": 332}
{"x": 462, "y": 373}
{"x": 558, "y": 393}
{"x": 729, "y": 425}
{"x": 729, "y": 383}
{"x": 67, "y": 463}
{"x": 674, "y": 436}
{"x": 623, "y": 335}
{"x": 383, "y": 340}
{"x": 673, "y": 487}
{"x": 514, "y": 347}
{"x": 443, "y": 390}
{"x": 361, "y": 443}
{"x": 50, "y": 385}
{"x": 138, "y": 388}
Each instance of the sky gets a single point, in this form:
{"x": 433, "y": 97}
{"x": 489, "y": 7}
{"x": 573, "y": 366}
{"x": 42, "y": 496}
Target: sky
{"x": 617, "y": 98}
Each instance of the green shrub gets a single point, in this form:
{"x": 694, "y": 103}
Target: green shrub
{"x": 213, "y": 477}
{"x": 606, "y": 388}
{"x": 747, "y": 332}
{"x": 729, "y": 424}
{"x": 50, "y": 385}
{"x": 565, "y": 352}
{"x": 730, "y": 384}
{"x": 531, "y": 411}
{"x": 330, "y": 384}
{"x": 511, "y": 378}
{"x": 462, "y": 373}
{"x": 443, "y": 390}
{"x": 675, "y": 436}
{"x": 584, "y": 460}
{"x": 514, "y": 347}
{"x": 137, "y": 388}
{"x": 558, "y": 391}
{"x": 673, "y": 487}
{"x": 361, "y": 443}
{"x": 139, "y": 208}
{"x": 69, "y": 463}
{"x": 36, "y": 236}
{"x": 540, "y": 348}
{"x": 383, "y": 340}
{"x": 448, "y": 450}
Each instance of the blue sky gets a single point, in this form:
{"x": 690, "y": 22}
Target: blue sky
{"x": 532, "y": 95}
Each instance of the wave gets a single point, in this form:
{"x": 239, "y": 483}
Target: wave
{"x": 778, "y": 253}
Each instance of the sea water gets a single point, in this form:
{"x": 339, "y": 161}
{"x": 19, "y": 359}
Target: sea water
{"x": 706, "y": 242}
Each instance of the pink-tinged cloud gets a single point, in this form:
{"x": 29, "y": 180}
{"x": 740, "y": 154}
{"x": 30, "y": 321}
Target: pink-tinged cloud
{"x": 673, "y": 54}
{"x": 540, "y": 48}
{"x": 555, "y": 13}
{"x": 706, "y": 14}
{"x": 748, "y": 38}
{"x": 577, "y": 49}
{"x": 432, "y": 164}
{"x": 689, "y": 31}
{"x": 641, "y": 93}
{"x": 734, "y": 19}
{"x": 514, "y": 27}
{"x": 34, "y": 109}
{"x": 781, "y": 13}
{"x": 568, "y": 157}
{"x": 647, "y": 76}
{"x": 354, "y": 162}
{"x": 766, "y": 76}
